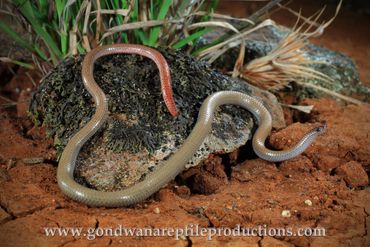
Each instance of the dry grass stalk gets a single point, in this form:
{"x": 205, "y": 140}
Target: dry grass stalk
{"x": 212, "y": 53}
{"x": 85, "y": 38}
{"x": 303, "y": 108}
{"x": 98, "y": 21}
{"x": 73, "y": 32}
{"x": 222, "y": 24}
{"x": 287, "y": 62}
{"x": 225, "y": 17}
{"x": 239, "y": 61}
{"x": 131, "y": 26}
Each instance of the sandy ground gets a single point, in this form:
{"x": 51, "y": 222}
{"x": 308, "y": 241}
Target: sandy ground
{"x": 326, "y": 187}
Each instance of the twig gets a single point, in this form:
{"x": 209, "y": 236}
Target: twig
{"x": 31, "y": 79}
{"x": 85, "y": 38}
{"x": 98, "y": 21}
{"x": 302, "y": 108}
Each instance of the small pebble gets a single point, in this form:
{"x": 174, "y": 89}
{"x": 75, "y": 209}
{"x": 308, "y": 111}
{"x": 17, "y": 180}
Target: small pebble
{"x": 286, "y": 213}
{"x": 271, "y": 201}
{"x": 308, "y": 202}
{"x": 157, "y": 211}
{"x": 10, "y": 163}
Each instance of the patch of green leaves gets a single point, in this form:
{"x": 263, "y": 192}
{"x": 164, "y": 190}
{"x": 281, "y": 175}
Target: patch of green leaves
{"x": 57, "y": 26}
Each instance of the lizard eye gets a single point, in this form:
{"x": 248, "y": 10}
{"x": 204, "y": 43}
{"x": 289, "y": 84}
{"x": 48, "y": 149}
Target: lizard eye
{"x": 321, "y": 129}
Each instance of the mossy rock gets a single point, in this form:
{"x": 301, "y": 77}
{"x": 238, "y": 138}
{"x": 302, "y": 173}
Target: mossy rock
{"x": 140, "y": 132}
{"x": 336, "y": 65}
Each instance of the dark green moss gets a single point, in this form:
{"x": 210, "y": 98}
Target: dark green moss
{"x": 132, "y": 85}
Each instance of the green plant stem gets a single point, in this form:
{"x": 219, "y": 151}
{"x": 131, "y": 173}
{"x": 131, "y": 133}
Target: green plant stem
{"x": 154, "y": 32}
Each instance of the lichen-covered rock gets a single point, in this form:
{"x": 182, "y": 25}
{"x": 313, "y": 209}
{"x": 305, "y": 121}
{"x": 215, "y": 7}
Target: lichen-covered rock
{"x": 337, "y": 66}
{"x": 140, "y": 132}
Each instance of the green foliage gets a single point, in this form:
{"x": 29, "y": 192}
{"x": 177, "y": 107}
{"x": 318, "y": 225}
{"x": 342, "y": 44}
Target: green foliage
{"x": 62, "y": 28}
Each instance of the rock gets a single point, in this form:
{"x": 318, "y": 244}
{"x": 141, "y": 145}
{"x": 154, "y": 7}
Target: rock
{"x": 327, "y": 163}
{"x": 337, "y": 66}
{"x": 183, "y": 191}
{"x": 207, "y": 178}
{"x": 270, "y": 102}
{"x": 353, "y": 173}
{"x": 205, "y": 184}
{"x": 140, "y": 132}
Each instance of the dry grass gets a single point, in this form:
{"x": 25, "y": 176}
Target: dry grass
{"x": 287, "y": 62}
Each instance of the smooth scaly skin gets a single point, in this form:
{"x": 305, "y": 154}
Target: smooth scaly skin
{"x": 176, "y": 163}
